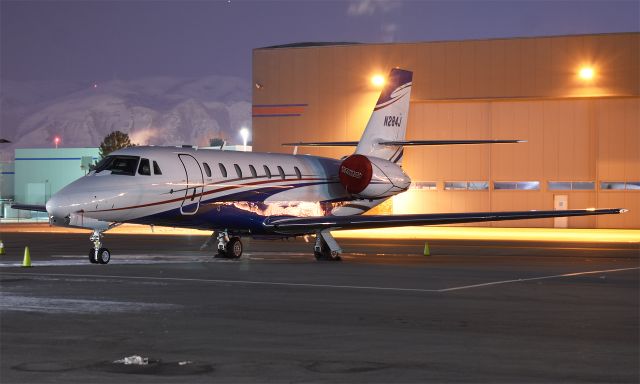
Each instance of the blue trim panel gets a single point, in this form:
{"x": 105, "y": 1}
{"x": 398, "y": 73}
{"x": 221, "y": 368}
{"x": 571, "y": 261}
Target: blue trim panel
{"x": 279, "y": 105}
{"x": 281, "y": 115}
{"x": 52, "y": 158}
{"x": 7, "y": 173}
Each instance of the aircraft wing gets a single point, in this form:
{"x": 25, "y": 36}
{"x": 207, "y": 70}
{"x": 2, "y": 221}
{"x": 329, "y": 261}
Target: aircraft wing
{"x": 29, "y": 207}
{"x": 311, "y": 224}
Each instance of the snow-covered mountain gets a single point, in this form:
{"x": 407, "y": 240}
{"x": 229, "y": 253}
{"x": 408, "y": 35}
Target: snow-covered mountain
{"x": 154, "y": 110}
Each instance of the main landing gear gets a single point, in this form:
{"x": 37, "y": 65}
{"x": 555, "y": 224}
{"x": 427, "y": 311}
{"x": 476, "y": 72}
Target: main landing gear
{"x": 326, "y": 248}
{"x": 98, "y": 254}
{"x": 229, "y": 247}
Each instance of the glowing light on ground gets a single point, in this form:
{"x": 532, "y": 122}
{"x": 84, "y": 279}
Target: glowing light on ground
{"x": 419, "y": 233}
{"x": 476, "y": 233}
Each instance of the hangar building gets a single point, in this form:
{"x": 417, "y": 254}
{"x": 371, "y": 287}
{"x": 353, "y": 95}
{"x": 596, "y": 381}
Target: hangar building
{"x": 575, "y": 99}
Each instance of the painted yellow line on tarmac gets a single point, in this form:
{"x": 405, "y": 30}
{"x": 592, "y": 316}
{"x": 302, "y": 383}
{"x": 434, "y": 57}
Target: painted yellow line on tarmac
{"x": 421, "y": 233}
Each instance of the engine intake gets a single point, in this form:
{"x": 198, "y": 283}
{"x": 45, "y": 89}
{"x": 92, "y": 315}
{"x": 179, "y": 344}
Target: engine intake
{"x": 372, "y": 177}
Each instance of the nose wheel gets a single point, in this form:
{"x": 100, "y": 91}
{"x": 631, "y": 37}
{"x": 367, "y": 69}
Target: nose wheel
{"x": 98, "y": 254}
{"x": 103, "y": 256}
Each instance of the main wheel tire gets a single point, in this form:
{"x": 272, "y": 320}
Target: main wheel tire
{"x": 234, "y": 248}
{"x": 92, "y": 256}
{"x": 326, "y": 254}
{"x": 104, "y": 256}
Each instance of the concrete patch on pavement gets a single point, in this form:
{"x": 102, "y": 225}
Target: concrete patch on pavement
{"x": 82, "y": 306}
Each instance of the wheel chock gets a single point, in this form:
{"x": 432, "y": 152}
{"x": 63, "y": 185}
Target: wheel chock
{"x": 426, "y": 249}
{"x": 26, "y": 262}
{"x": 1, "y": 248}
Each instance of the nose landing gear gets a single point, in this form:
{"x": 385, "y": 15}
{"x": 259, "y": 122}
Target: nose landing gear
{"x": 98, "y": 254}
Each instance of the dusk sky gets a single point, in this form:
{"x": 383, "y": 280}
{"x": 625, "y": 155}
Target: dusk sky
{"x": 102, "y": 40}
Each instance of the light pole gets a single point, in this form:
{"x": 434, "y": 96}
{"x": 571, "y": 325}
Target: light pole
{"x": 244, "y": 132}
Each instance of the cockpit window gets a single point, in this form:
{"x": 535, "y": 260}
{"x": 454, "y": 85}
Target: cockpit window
{"x": 156, "y": 169}
{"x": 119, "y": 165}
{"x": 144, "y": 168}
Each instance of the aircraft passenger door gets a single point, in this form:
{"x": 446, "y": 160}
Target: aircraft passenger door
{"x": 194, "y": 185}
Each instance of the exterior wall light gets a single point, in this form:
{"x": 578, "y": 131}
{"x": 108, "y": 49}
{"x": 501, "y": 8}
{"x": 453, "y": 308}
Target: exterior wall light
{"x": 377, "y": 80}
{"x": 586, "y": 73}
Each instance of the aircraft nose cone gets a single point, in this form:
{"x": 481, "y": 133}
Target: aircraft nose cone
{"x": 57, "y": 211}
{"x": 50, "y": 204}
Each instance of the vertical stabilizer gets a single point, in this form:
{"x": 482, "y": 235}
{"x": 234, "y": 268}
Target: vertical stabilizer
{"x": 388, "y": 122}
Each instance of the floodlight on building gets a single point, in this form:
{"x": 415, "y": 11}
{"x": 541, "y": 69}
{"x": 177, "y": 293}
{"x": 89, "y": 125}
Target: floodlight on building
{"x": 586, "y": 73}
{"x": 244, "y": 132}
{"x": 56, "y": 140}
{"x": 377, "y": 80}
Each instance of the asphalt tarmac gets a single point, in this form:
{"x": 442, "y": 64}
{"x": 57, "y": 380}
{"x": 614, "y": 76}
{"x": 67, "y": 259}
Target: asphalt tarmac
{"x": 472, "y": 311}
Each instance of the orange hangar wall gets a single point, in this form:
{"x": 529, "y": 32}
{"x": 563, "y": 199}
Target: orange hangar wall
{"x": 575, "y": 99}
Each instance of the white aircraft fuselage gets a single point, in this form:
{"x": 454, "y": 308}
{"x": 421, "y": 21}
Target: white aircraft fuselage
{"x": 212, "y": 190}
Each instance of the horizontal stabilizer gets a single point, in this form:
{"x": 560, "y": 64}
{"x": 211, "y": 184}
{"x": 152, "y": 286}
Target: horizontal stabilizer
{"x": 323, "y": 144}
{"x": 402, "y": 143}
{"x": 309, "y": 224}
{"x": 450, "y": 142}
{"x": 29, "y": 207}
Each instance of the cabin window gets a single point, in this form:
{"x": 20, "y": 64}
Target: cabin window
{"x": 281, "y": 171}
{"x": 298, "y": 173}
{"x": 223, "y": 170}
{"x": 118, "y": 165}
{"x": 207, "y": 170}
{"x": 267, "y": 171}
{"x": 144, "y": 168}
{"x": 238, "y": 170}
{"x": 156, "y": 169}
{"x": 253, "y": 171}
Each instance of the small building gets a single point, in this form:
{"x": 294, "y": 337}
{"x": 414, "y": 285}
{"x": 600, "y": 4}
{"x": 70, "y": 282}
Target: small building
{"x": 41, "y": 172}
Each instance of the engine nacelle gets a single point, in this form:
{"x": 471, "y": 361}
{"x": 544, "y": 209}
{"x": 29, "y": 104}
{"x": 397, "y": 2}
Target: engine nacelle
{"x": 372, "y": 177}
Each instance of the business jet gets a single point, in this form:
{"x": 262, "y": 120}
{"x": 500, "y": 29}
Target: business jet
{"x": 264, "y": 195}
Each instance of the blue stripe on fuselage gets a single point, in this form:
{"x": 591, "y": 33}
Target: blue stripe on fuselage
{"x": 220, "y": 213}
